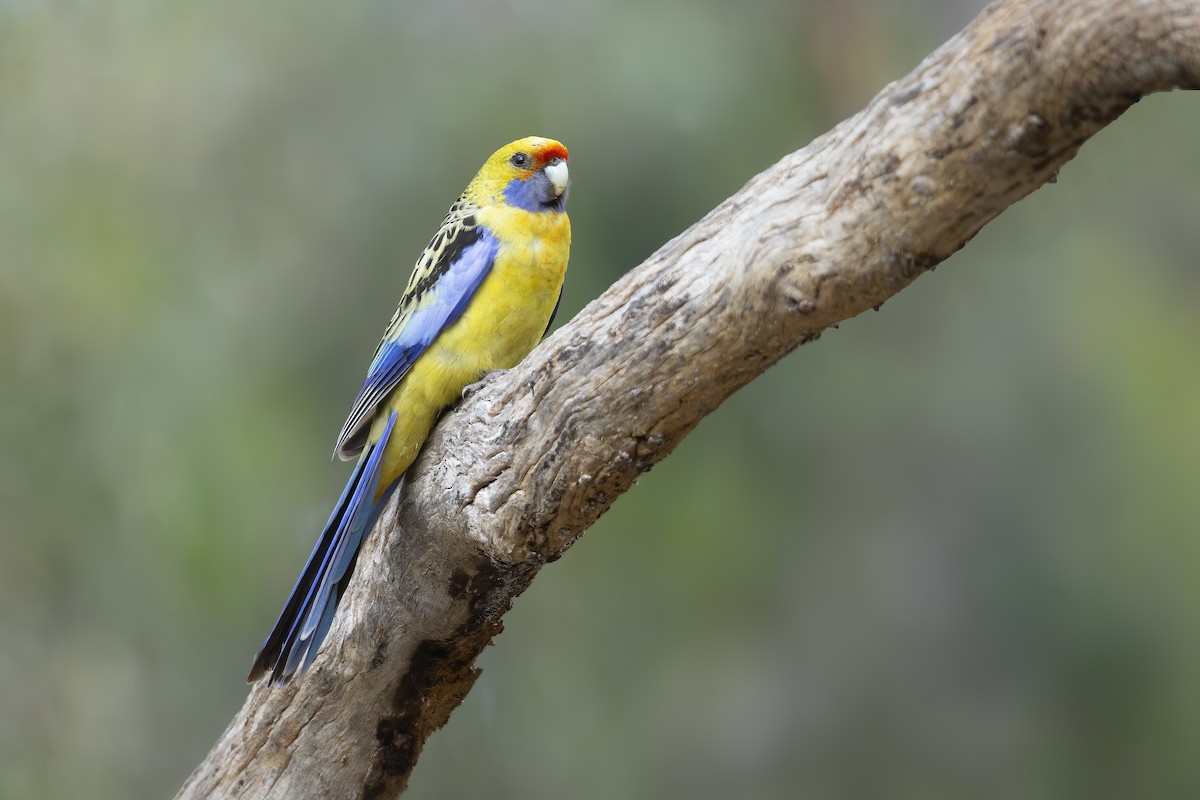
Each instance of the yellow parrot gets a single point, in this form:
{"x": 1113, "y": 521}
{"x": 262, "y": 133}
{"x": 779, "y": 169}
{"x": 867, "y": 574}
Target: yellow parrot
{"x": 482, "y": 294}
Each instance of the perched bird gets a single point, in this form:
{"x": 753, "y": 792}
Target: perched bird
{"x": 482, "y": 294}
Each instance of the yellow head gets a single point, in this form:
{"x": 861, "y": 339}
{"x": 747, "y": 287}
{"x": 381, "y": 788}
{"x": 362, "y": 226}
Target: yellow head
{"x": 530, "y": 174}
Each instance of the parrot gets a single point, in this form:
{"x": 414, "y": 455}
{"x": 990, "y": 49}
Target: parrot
{"x": 481, "y": 296}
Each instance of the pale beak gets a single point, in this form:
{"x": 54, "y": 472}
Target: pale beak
{"x": 556, "y": 171}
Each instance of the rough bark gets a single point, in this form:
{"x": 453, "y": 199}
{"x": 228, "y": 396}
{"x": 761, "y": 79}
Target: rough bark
{"x": 519, "y": 471}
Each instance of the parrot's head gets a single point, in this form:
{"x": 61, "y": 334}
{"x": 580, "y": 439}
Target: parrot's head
{"x": 530, "y": 173}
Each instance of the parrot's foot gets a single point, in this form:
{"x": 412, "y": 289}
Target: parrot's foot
{"x": 472, "y": 388}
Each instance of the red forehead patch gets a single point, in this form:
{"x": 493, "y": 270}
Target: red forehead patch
{"x": 551, "y": 152}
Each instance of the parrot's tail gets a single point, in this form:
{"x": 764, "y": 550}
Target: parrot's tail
{"x": 305, "y": 620}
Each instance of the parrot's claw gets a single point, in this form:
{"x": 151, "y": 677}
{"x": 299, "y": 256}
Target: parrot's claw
{"x": 472, "y": 388}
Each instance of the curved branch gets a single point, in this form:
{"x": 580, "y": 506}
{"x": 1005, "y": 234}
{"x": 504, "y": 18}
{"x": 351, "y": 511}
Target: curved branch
{"x": 521, "y": 469}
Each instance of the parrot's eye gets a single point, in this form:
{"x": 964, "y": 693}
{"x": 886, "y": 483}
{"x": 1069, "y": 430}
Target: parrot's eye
{"x": 520, "y": 160}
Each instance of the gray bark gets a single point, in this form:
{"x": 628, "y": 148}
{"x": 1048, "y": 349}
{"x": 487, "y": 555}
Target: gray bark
{"x": 519, "y": 471}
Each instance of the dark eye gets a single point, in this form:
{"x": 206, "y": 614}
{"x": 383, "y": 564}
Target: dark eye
{"x": 520, "y": 160}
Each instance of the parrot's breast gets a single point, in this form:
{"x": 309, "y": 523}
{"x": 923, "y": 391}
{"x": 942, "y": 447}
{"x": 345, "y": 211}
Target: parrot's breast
{"x": 503, "y": 321}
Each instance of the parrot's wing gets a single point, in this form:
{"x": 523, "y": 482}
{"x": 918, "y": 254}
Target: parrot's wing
{"x": 442, "y": 285}
{"x": 553, "y": 313}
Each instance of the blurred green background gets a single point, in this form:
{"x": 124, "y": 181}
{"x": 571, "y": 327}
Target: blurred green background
{"x": 950, "y": 550}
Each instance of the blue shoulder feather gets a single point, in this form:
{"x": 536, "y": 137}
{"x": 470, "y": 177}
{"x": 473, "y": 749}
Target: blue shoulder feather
{"x": 435, "y": 303}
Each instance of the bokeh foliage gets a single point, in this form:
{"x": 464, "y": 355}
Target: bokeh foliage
{"x": 950, "y": 550}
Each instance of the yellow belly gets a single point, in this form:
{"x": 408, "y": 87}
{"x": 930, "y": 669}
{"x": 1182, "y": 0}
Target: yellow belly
{"x": 503, "y": 322}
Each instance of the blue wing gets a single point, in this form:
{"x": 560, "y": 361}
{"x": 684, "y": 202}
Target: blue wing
{"x": 437, "y": 295}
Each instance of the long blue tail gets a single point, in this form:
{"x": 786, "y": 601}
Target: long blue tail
{"x": 305, "y": 620}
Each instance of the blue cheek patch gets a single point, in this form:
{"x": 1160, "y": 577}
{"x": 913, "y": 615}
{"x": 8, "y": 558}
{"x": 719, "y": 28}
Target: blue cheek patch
{"x": 534, "y": 194}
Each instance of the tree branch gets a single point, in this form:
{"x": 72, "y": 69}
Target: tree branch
{"x": 521, "y": 469}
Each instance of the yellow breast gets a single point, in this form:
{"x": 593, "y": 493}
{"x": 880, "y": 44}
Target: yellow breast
{"x": 503, "y": 322}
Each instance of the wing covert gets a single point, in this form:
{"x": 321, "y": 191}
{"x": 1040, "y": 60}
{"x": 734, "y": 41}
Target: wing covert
{"x": 445, "y": 279}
